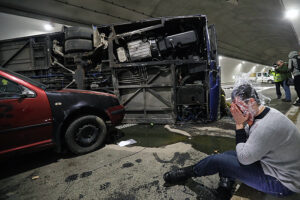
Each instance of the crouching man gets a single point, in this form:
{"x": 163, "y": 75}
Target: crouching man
{"x": 267, "y": 155}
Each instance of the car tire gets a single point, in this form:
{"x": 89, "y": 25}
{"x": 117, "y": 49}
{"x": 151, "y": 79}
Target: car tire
{"x": 78, "y": 33}
{"x": 78, "y": 45}
{"x": 85, "y": 134}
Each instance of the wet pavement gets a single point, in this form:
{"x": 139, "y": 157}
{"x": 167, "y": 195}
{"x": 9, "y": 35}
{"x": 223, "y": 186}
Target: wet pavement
{"x": 111, "y": 173}
{"x": 158, "y": 136}
{"x": 132, "y": 172}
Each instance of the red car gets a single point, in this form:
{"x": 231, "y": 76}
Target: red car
{"x": 33, "y": 117}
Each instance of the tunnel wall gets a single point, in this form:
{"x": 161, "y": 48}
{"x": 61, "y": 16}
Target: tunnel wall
{"x": 230, "y": 68}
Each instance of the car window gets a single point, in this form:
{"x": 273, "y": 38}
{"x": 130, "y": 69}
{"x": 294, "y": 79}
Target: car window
{"x": 10, "y": 89}
{"x": 266, "y": 75}
{"x": 33, "y": 82}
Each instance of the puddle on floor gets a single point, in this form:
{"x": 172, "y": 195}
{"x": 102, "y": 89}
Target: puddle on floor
{"x": 211, "y": 144}
{"x": 158, "y": 136}
{"x": 151, "y": 136}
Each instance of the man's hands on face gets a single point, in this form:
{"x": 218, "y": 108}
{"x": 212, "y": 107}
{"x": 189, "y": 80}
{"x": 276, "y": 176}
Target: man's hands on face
{"x": 238, "y": 116}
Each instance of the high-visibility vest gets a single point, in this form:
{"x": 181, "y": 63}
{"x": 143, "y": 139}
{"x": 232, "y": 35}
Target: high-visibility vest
{"x": 277, "y": 77}
{"x": 4, "y": 82}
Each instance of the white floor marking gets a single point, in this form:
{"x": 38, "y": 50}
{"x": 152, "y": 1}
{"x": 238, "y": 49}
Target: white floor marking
{"x": 125, "y": 126}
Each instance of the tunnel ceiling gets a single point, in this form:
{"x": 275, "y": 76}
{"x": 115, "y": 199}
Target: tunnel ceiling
{"x": 252, "y": 30}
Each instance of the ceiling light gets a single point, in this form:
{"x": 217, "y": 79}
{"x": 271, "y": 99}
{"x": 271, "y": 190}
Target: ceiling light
{"x": 48, "y": 27}
{"x": 291, "y": 14}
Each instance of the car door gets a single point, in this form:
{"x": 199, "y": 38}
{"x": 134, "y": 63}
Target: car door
{"x": 259, "y": 77}
{"x": 266, "y": 77}
{"x": 25, "y": 117}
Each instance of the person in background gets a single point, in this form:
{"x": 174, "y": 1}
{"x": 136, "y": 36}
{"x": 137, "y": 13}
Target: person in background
{"x": 294, "y": 67}
{"x": 3, "y": 85}
{"x": 283, "y": 69}
{"x": 266, "y": 156}
{"x": 277, "y": 81}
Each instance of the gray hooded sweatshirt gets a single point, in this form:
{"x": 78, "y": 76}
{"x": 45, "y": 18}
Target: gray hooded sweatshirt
{"x": 273, "y": 140}
{"x": 293, "y": 63}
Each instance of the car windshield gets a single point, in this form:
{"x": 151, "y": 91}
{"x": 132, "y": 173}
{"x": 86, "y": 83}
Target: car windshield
{"x": 33, "y": 82}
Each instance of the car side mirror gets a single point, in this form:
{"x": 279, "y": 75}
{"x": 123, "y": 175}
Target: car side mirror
{"x": 23, "y": 96}
{"x": 27, "y": 93}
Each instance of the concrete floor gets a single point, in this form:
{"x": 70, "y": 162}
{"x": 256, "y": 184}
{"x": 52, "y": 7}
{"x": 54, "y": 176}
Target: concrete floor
{"x": 133, "y": 172}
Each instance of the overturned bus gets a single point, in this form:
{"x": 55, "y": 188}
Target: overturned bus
{"x": 163, "y": 70}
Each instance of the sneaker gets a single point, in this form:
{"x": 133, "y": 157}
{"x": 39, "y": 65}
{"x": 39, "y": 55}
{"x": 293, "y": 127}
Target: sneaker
{"x": 279, "y": 97}
{"x": 285, "y": 100}
{"x": 223, "y": 193}
{"x": 179, "y": 175}
{"x": 226, "y": 188}
{"x": 226, "y": 183}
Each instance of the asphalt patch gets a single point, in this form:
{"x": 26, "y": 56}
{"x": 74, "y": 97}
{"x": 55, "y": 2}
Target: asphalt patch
{"x": 202, "y": 192}
{"x": 71, "y": 178}
{"x": 105, "y": 186}
{"x": 147, "y": 186}
{"x": 174, "y": 167}
{"x": 127, "y": 165}
{"x": 121, "y": 196}
{"x": 5, "y": 193}
{"x": 181, "y": 158}
{"x": 86, "y": 174}
{"x": 178, "y": 158}
{"x": 150, "y": 186}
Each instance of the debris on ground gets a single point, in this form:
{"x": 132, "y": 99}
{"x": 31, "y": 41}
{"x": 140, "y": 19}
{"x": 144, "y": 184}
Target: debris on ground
{"x": 35, "y": 177}
{"x": 127, "y": 142}
{"x": 177, "y": 131}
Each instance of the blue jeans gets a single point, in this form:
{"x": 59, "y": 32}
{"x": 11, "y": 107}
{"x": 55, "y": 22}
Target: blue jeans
{"x": 287, "y": 90}
{"x": 278, "y": 92}
{"x": 227, "y": 165}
